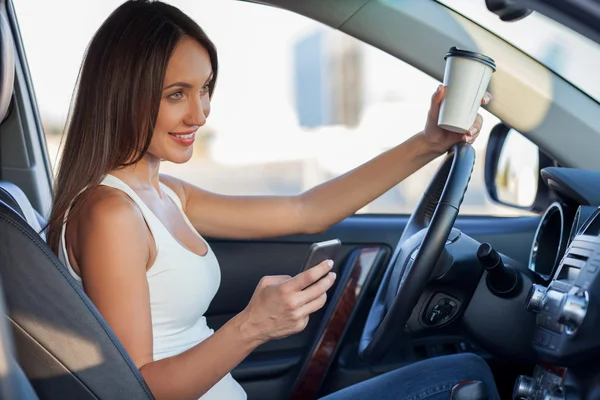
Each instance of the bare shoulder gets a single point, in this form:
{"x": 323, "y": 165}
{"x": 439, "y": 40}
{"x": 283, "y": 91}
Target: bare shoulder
{"x": 105, "y": 207}
{"x": 106, "y": 218}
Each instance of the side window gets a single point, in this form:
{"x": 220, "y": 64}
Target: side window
{"x": 297, "y": 103}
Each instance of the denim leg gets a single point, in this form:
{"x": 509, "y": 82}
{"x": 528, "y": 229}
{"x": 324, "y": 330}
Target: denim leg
{"x": 430, "y": 379}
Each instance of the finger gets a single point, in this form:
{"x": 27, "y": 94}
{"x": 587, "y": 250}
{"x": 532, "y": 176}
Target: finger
{"x": 316, "y": 290}
{"x": 314, "y": 305}
{"x": 470, "y": 138}
{"x": 476, "y": 127}
{"x": 436, "y": 100}
{"x": 309, "y": 276}
{"x": 487, "y": 98}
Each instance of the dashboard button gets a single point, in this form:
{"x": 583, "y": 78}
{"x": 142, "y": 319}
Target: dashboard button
{"x": 554, "y": 341}
{"x": 542, "y": 338}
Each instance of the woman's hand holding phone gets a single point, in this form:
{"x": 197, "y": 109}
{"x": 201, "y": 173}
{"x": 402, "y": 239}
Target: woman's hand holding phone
{"x": 281, "y": 305}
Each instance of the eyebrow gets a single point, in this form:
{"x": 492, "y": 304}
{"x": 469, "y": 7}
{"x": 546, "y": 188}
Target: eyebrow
{"x": 188, "y": 85}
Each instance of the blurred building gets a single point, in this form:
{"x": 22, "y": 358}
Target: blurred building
{"x": 327, "y": 79}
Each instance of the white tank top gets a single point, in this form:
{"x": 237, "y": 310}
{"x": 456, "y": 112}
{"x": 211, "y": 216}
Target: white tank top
{"x": 182, "y": 284}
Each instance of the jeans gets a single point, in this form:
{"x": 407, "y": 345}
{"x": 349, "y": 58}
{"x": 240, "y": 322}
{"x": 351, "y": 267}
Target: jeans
{"x": 431, "y": 379}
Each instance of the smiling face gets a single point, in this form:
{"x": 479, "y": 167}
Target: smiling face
{"x": 184, "y": 104}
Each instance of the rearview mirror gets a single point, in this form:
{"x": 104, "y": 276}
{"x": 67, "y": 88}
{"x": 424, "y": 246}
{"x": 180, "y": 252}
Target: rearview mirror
{"x": 512, "y": 170}
{"x": 508, "y": 10}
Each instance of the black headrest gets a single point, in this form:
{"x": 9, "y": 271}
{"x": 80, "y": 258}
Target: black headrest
{"x": 64, "y": 346}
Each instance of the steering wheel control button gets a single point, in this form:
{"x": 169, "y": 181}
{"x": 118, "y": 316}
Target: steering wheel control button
{"x": 574, "y": 310}
{"x": 441, "y": 309}
{"x": 440, "y": 312}
{"x": 525, "y": 388}
{"x": 501, "y": 280}
{"x": 536, "y": 298}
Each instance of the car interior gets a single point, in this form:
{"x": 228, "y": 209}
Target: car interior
{"x": 522, "y": 292}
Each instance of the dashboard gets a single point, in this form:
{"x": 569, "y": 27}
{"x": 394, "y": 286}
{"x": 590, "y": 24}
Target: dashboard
{"x": 577, "y": 200}
{"x": 565, "y": 253}
{"x": 556, "y": 230}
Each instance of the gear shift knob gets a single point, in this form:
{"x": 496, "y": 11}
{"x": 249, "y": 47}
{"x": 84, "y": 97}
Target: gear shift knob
{"x": 470, "y": 390}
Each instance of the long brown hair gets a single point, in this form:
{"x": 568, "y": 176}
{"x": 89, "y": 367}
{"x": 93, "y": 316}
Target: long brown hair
{"x": 117, "y": 97}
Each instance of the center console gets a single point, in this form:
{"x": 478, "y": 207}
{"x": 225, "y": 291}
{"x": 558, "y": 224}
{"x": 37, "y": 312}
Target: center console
{"x": 567, "y": 313}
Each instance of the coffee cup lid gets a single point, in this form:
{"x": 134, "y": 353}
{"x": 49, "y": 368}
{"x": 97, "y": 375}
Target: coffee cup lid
{"x": 471, "y": 55}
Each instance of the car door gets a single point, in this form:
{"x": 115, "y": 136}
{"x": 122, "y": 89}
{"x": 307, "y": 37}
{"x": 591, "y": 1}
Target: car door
{"x": 302, "y": 114}
{"x": 271, "y": 370}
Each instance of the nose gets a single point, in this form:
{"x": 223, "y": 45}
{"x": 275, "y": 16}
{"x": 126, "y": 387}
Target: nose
{"x": 197, "y": 113}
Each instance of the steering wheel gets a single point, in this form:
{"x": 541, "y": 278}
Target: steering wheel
{"x": 416, "y": 255}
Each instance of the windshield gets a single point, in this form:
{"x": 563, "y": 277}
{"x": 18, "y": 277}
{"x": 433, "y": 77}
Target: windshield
{"x": 571, "y": 55}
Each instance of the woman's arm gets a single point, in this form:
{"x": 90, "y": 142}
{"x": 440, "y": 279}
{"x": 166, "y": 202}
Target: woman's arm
{"x": 246, "y": 217}
{"x": 317, "y": 209}
{"x": 113, "y": 250}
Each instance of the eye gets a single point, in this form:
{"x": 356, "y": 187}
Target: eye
{"x": 176, "y": 96}
{"x": 205, "y": 89}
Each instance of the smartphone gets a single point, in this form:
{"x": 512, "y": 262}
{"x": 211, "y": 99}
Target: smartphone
{"x": 320, "y": 252}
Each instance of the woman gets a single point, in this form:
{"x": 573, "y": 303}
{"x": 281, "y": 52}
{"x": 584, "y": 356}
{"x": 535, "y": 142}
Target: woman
{"x": 131, "y": 237}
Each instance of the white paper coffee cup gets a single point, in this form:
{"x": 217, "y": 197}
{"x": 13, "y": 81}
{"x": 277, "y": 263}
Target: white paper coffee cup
{"x": 466, "y": 78}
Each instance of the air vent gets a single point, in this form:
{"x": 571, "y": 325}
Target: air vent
{"x": 573, "y": 263}
{"x": 592, "y": 228}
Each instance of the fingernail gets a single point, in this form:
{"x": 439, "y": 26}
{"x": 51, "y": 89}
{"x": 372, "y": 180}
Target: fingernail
{"x": 486, "y": 99}
{"x": 473, "y": 131}
{"x": 330, "y": 263}
{"x": 333, "y": 275}
{"x": 439, "y": 89}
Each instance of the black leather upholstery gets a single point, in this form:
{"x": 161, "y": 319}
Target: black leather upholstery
{"x": 14, "y": 385}
{"x": 64, "y": 346}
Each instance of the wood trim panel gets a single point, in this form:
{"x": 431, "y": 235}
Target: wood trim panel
{"x": 311, "y": 378}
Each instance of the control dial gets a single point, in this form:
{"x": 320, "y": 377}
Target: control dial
{"x": 525, "y": 388}
{"x": 574, "y": 310}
